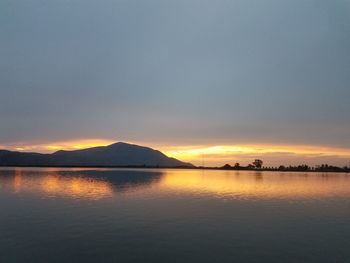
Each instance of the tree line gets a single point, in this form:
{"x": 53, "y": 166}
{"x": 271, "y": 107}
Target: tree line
{"x": 257, "y": 164}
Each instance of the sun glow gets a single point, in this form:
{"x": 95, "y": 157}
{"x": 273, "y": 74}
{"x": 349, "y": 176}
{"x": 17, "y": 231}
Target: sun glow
{"x": 218, "y": 155}
{"x": 60, "y": 145}
{"x": 215, "y": 155}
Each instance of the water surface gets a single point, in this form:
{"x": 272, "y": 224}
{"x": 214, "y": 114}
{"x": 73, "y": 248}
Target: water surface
{"x": 165, "y": 215}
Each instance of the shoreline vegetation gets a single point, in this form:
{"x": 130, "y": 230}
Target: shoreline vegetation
{"x": 325, "y": 168}
{"x": 257, "y": 165}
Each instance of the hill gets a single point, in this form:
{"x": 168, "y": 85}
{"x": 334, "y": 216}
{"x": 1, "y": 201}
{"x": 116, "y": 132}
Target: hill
{"x": 117, "y": 154}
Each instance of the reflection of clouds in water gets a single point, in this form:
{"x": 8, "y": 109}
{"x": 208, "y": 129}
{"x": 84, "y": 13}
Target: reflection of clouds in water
{"x": 76, "y": 187}
{"x": 83, "y": 184}
{"x": 53, "y": 185}
{"x": 259, "y": 184}
{"x": 95, "y": 184}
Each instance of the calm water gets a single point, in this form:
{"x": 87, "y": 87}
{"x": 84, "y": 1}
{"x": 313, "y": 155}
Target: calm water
{"x": 124, "y": 215}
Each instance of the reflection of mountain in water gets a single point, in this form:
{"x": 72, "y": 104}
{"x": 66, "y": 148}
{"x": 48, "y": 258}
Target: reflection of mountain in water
{"x": 84, "y": 184}
{"x": 120, "y": 179}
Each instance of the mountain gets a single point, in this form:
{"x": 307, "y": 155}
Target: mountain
{"x": 118, "y": 154}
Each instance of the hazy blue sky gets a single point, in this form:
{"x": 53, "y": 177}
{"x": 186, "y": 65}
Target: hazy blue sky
{"x": 176, "y": 72}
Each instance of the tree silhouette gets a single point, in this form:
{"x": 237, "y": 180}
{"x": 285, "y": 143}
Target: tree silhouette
{"x": 258, "y": 163}
{"x": 227, "y": 166}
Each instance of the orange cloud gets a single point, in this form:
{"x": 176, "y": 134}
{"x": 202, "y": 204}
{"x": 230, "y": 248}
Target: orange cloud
{"x": 275, "y": 154}
{"x": 60, "y": 145}
{"x": 216, "y": 155}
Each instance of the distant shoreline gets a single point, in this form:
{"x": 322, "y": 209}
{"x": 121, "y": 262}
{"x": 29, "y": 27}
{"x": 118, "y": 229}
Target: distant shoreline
{"x": 180, "y": 167}
{"x": 126, "y": 155}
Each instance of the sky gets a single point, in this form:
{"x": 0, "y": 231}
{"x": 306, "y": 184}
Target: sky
{"x": 209, "y": 82}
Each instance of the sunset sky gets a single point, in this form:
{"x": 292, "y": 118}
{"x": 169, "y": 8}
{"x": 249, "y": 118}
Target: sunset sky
{"x": 210, "y": 82}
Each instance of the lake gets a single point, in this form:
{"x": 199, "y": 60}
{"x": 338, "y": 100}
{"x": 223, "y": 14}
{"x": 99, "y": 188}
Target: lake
{"x": 169, "y": 215}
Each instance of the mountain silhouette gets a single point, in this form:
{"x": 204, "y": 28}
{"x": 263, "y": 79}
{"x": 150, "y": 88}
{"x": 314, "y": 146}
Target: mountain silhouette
{"x": 117, "y": 154}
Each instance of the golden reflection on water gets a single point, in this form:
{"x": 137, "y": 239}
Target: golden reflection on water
{"x": 17, "y": 181}
{"x": 56, "y": 185}
{"x": 259, "y": 184}
{"x": 223, "y": 184}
